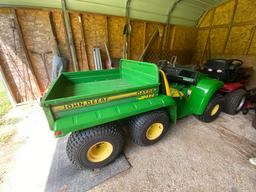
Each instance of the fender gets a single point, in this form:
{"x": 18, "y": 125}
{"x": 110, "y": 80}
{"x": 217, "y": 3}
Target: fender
{"x": 202, "y": 93}
{"x": 229, "y": 87}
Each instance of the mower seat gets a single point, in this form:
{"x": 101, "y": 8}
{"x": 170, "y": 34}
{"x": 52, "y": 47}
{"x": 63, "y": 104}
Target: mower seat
{"x": 226, "y": 70}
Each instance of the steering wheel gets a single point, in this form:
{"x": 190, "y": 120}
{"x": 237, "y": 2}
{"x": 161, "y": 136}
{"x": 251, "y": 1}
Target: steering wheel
{"x": 235, "y": 64}
{"x": 162, "y": 64}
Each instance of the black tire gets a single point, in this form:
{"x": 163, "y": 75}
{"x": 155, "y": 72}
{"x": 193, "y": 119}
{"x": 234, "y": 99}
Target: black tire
{"x": 139, "y": 127}
{"x": 234, "y": 101}
{"x": 254, "y": 121}
{"x": 207, "y": 115}
{"x": 81, "y": 142}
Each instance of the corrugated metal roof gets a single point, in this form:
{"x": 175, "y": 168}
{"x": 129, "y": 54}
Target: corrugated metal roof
{"x": 187, "y": 12}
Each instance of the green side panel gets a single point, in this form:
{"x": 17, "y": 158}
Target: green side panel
{"x": 202, "y": 94}
{"x": 183, "y": 107}
{"x": 198, "y": 100}
{"x": 81, "y": 121}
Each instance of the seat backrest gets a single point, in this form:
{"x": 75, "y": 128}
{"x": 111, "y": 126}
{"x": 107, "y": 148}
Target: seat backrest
{"x": 217, "y": 69}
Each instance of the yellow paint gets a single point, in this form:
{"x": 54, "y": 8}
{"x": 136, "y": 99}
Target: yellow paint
{"x": 149, "y": 94}
{"x": 146, "y": 96}
{"x": 99, "y": 152}
{"x": 215, "y": 109}
{"x": 154, "y": 131}
{"x": 167, "y": 87}
{"x": 169, "y": 90}
{"x": 176, "y": 93}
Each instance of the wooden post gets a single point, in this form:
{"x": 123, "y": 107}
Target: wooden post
{"x": 208, "y": 36}
{"x": 81, "y": 21}
{"x": 250, "y": 41}
{"x": 167, "y": 27}
{"x": 23, "y": 45}
{"x": 69, "y": 34}
{"x": 230, "y": 26}
{"x": 173, "y": 38}
{"x": 144, "y": 34}
{"x": 148, "y": 43}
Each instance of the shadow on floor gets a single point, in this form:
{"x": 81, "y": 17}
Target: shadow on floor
{"x": 64, "y": 177}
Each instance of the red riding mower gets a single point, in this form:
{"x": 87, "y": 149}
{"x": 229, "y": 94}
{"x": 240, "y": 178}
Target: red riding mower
{"x": 234, "y": 76}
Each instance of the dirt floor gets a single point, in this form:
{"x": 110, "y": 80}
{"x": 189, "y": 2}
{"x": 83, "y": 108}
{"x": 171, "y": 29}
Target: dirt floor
{"x": 194, "y": 156}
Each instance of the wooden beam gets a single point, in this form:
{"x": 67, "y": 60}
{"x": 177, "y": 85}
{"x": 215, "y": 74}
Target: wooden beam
{"x": 208, "y": 36}
{"x": 70, "y": 35}
{"x": 230, "y": 26}
{"x": 106, "y": 31}
{"x": 167, "y": 26}
{"x": 227, "y": 25}
{"x": 153, "y": 36}
{"x": 201, "y": 18}
{"x": 173, "y": 38}
{"x": 250, "y": 41}
{"x": 144, "y": 34}
{"x": 106, "y": 44}
{"x": 166, "y": 34}
{"x": 23, "y": 45}
{"x": 81, "y": 22}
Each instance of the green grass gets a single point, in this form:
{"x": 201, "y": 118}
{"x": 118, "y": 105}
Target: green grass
{"x": 5, "y": 104}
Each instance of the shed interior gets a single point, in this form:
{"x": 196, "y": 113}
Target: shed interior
{"x": 192, "y": 30}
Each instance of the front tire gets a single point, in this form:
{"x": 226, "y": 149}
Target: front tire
{"x": 148, "y": 128}
{"x": 95, "y": 147}
{"x": 213, "y": 109}
{"x": 234, "y": 101}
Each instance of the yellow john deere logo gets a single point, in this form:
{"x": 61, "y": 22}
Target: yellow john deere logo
{"x": 144, "y": 94}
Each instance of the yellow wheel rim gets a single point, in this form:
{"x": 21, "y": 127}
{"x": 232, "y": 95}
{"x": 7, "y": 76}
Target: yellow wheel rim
{"x": 215, "y": 109}
{"x": 154, "y": 131}
{"x": 99, "y": 151}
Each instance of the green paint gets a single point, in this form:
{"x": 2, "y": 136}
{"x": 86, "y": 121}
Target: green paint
{"x": 80, "y": 100}
{"x": 199, "y": 98}
{"x": 186, "y": 13}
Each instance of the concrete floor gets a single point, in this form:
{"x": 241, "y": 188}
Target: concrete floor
{"x": 194, "y": 156}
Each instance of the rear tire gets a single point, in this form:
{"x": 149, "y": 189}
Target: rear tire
{"x": 213, "y": 109}
{"x": 148, "y": 128}
{"x": 234, "y": 101}
{"x": 95, "y": 147}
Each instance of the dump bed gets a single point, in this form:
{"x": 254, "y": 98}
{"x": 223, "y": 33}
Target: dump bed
{"x": 89, "y": 98}
{"x": 75, "y": 86}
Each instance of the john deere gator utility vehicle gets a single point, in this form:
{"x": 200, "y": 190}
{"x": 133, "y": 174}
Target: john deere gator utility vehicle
{"x": 89, "y": 106}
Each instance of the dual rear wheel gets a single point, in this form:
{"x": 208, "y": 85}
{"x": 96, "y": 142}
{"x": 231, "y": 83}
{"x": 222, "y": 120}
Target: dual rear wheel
{"x": 100, "y": 145}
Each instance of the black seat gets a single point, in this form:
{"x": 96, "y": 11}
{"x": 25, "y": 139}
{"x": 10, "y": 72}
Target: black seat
{"x": 226, "y": 70}
{"x": 181, "y": 75}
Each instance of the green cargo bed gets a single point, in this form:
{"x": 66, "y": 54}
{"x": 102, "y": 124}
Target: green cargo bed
{"x": 132, "y": 76}
{"x": 79, "y": 100}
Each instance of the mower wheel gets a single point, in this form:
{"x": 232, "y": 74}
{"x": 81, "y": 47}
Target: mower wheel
{"x": 95, "y": 147}
{"x": 148, "y": 128}
{"x": 254, "y": 121}
{"x": 234, "y": 101}
{"x": 213, "y": 109}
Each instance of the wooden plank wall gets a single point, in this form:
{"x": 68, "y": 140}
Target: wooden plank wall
{"x": 228, "y": 31}
{"x": 99, "y": 29}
